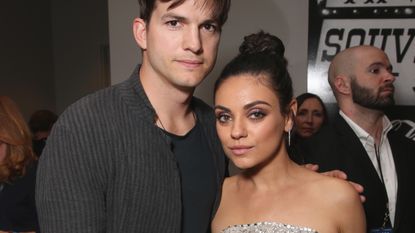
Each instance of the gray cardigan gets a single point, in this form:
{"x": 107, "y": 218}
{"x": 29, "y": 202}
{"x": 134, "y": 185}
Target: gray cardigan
{"x": 108, "y": 168}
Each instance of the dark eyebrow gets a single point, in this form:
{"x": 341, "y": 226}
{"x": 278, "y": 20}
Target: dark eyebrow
{"x": 220, "y": 107}
{"x": 210, "y": 21}
{"x": 388, "y": 67}
{"x": 247, "y": 106}
{"x": 258, "y": 102}
{"x": 173, "y": 16}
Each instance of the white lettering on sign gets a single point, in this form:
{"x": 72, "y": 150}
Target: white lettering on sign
{"x": 411, "y": 127}
{"x": 370, "y": 3}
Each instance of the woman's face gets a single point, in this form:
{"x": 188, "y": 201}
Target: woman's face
{"x": 309, "y": 118}
{"x": 249, "y": 121}
{"x": 3, "y": 150}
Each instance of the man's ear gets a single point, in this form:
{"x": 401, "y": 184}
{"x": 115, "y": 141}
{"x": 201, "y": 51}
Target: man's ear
{"x": 292, "y": 112}
{"x": 342, "y": 84}
{"x": 140, "y": 32}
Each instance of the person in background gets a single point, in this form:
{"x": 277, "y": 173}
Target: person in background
{"x": 362, "y": 142}
{"x": 254, "y": 110}
{"x": 311, "y": 115}
{"x": 40, "y": 123}
{"x": 17, "y": 171}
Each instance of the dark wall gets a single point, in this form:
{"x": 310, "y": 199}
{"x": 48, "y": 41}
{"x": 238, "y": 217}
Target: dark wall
{"x": 80, "y": 48}
{"x": 53, "y": 52}
{"x": 26, "y": 63}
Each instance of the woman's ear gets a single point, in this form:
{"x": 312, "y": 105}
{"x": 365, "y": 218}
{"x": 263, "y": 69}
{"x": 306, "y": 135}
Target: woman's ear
{"x": 140, "y": 32}
{"x": 292, "y": 112}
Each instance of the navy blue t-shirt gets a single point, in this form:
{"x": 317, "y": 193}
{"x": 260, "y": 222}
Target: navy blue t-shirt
{"x": 198, "y": 182}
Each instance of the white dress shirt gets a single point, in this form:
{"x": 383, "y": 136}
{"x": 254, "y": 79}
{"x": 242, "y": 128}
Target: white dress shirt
{"x": 387, "y": 163}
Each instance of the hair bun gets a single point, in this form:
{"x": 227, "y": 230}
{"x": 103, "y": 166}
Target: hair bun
{"x": 262, "y": 42}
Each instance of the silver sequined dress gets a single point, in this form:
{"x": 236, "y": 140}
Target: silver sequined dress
{"x": 267, "y": 227}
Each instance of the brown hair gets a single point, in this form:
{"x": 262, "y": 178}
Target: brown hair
{"x": 262, "y": 55}
{"x": 15, "y": 133}
{"x": 305, "y": 96}
{"x": 220, "y": 8}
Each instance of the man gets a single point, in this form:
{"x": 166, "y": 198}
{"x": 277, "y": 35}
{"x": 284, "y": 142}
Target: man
{"x": 142, "y": 156}
{"x": 40, "y": 123}
{"x": 362, "y": 142}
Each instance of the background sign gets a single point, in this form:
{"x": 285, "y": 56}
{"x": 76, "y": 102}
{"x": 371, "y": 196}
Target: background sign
{"x": 335, "y": 25}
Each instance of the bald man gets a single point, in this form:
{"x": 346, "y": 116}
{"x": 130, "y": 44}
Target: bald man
{"x": 362, "y": 142}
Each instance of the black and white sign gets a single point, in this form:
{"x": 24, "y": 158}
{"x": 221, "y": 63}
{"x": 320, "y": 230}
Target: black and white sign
{"x": 335, "y": 25}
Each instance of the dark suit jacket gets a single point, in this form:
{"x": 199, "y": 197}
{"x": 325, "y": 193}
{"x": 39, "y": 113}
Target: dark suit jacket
{"x": 337, "y": 147}
{"x": 17, "y": 203}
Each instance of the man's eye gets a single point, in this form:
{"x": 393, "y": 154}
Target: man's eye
{"x": 374, "y": 71}
{"x": 173, "y": 23}
{"x": 210, "y": 27}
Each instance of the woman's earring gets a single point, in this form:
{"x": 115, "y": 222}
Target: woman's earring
{"x": 289, "y": 137}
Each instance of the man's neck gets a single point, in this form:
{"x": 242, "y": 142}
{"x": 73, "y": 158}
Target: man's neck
{"x": 172, "y": 105}
{"x": 370, "y": 120}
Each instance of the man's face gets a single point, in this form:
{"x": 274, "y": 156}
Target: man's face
{"x": 181, "y": 43}
{"x": 372, "y": 82}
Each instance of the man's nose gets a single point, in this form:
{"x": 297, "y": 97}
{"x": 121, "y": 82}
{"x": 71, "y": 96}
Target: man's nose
{"x": 192, "y": 40}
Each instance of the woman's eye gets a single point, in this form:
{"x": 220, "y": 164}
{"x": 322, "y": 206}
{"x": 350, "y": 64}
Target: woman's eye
{"x": 256, "y": 115}
{"x": 223, "y": 118}
{"x": 301, "y": 113}
{"x": 318, "y": 114}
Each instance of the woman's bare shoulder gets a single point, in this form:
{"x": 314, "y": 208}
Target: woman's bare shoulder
{"x": 330, "y": 188}
{"x": 337, "y": 190}
{"x": 339, "y": 201}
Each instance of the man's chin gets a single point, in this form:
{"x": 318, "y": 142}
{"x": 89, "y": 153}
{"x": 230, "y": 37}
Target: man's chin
{"x": 385, "y": 104}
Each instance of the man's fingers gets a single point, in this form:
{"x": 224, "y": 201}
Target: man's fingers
{"x": 336, "y": 174}
{"x": 357, "y": 186}
{"x": 359, "y": 189}
{"x": 312, "y": 167}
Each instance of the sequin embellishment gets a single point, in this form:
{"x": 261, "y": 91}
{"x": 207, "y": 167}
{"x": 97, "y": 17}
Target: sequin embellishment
{"x": 267, "y": 227}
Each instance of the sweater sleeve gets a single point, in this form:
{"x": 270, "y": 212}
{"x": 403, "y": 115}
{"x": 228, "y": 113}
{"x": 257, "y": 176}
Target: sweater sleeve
{"x": 70, "y": 196}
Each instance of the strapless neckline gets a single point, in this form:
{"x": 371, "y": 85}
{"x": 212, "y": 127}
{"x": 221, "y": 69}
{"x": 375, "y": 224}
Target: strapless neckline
{"x": 267, "y": 227}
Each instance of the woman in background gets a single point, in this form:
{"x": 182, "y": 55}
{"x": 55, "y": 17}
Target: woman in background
{"x": 17, "y": 171}
{"x": 311, "y": 115}
{"x": 254, "y": 108}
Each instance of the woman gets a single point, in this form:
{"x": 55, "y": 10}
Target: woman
{"x": 311, "y": 115}
{"x": 254, "y": 109}
{"x": 17, "y": 171}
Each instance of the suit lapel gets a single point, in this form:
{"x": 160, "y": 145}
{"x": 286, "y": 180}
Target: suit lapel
{"x": 398, "y": 150}
{"x": 354, "y": 149}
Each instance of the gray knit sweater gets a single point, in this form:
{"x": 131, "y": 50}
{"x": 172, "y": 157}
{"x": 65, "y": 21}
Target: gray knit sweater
{"x": 107, "y": 168}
